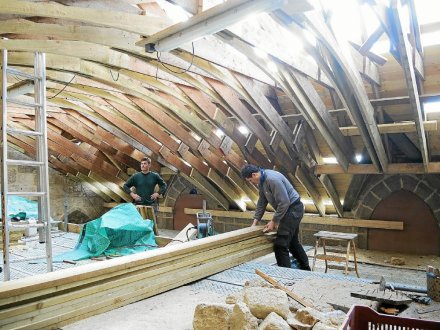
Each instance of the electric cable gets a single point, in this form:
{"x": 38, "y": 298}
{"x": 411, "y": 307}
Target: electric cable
{"x": 111, "y": 73}
{"x": 169, "y": 68}
{"x": 62, "y": 89}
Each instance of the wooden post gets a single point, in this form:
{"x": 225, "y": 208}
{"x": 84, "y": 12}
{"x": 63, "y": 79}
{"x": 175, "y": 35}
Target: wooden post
{"x": 147, "y": 212}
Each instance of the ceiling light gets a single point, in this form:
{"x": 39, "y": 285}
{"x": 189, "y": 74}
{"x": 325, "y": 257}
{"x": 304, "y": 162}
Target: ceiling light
{"x": 358, "y": 158}
{"x": 243, "y": 130}
{"x": 219, "y": 133}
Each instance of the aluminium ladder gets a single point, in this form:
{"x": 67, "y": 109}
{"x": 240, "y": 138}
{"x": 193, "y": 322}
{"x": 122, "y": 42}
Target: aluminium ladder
{"x": 41, "y": 158}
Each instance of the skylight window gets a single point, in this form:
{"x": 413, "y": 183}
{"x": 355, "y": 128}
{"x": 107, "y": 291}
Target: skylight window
{"x": 176, "y": 13}
{"x": 431, "y": 107}
{"x": 329, "y": 160}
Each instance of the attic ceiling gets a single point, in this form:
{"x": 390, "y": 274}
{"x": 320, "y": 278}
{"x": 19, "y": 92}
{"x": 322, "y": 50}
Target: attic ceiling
{"x": 302, "y": 92}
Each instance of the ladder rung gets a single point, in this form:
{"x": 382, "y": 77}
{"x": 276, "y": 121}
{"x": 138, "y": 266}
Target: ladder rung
{"x": 27, "y": 225}
{"x": 27, "y": 193}
{"x": 26, "y": 104}
{"x": 24, "y": 162}
{"x": 23, "y": 132}
{"x": 340, "y": 267}
{"x": 21, "y": 73}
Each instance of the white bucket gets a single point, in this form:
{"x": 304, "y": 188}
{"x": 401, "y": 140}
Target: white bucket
{"x": 31, "y": 230}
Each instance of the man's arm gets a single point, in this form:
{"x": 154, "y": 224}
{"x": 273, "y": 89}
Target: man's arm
{"x": 127, "y": 188}
{"x": 129, "y": 184}
{"x": 261, "y": 207}
{"x": 280, "y": 194}
{"x": 162, "y": 185}
{"x": 162, "y": 188}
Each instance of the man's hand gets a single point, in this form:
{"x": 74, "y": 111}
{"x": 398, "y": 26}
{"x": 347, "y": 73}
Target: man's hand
{"x": 270, "y": 226}
{"x": 135, "y": 197}
{"x": 155, "y": 196}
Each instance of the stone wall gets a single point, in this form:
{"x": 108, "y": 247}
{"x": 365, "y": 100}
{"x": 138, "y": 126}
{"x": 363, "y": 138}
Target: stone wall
{"x": 64, "y": 193}
{"x": 378, "y": 187}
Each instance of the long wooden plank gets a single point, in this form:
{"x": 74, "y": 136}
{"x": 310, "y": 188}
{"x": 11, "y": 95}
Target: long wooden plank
{"x": 331, "y": 221}
{"x": 400, "y": 168}
{"x": 405, "y": 51}
{"x": 126, "y": 22}
{"x": 117, "y": 285}
{"x": 282, "y": 287}
{"x": 134, "y": 279}
{"x": 401, "y": 127}
{"x": 73, "y": 277}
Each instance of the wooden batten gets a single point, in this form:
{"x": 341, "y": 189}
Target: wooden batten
{"x": 65, "y": 296}
{"x": 333, "y": 221}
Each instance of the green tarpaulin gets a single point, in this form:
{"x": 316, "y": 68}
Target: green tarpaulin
{"x": 120, "y": 231}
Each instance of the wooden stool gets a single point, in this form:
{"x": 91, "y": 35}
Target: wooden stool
{"x": 322, "y": 237}
{"x": 147, "y": 212}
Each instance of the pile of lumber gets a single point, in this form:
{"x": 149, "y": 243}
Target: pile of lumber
{"x": 62, "y": 297}
{"x": 15, "y": 236}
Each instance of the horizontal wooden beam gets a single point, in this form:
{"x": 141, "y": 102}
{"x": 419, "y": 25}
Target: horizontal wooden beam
{"x": 402, "y": 127}
{"x": 68, "y": 295}
{"x": 407, "y": 168}
{"x": 331, "y": 221}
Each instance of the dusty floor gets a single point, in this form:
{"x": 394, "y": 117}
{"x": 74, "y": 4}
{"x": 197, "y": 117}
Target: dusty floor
{"x": 174, "y": 309}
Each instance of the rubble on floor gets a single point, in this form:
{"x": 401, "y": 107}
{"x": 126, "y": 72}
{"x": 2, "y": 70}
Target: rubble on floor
{"x": 261, "y": 306}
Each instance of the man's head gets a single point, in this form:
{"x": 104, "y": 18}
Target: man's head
{"x": 145, "y": 164}
{"x": 251, "y": 173}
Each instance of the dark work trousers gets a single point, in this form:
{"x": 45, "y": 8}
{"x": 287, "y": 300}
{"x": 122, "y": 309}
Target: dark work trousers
{"x": 287, "y": 238}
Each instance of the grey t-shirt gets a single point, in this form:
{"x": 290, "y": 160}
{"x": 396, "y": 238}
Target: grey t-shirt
{"x": 278, "y": 192}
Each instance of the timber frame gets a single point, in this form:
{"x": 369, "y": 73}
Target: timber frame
{"x": 110, "y": 102}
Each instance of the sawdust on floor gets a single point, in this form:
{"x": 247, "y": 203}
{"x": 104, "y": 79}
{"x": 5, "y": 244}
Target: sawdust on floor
{"x": 383, "y": 258}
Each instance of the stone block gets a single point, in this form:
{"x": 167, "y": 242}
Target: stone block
{"x": 423, "y": 190}
{"x": 437, "y": 216}
{"x": 263, "y": 301}
{"x": 371, "y": 200}
{"x": 230, "y": 227}
{"x": 394, "y": 183}
{"x": 308, "y": 316}
{"x": 409, "y": 182}
{"x": 372, "y": 181}
{"x": 381, "y": 190}
{"x": 433, "y": 201}
{"x": 296, "y": 324}
{"x": 242, "y": 318}
{"x": 242, "y": 222}
{"x": 363, "y": 212}
{"x": 234, "y": 298}
{"x": 212, "y": 317}
{"x": 274, "y": 322}
{"x": 323, "y": 326}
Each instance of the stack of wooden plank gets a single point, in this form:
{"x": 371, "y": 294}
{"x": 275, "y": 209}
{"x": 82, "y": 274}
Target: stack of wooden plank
{"x": 58, "y": 298}
{"x": 14, "y": 237}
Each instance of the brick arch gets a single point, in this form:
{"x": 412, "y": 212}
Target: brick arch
{"x": 178, "y": 186}
{"x": 379, "y": 187}
{"x": 78, "y": 216}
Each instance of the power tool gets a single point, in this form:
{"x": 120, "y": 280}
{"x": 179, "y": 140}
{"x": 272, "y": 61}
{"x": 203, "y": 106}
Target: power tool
{"x": 204, "y": 225}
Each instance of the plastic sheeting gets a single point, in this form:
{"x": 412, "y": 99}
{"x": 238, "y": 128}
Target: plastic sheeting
{"x": 17, "y": 204}
{"x": 120, "y": 231}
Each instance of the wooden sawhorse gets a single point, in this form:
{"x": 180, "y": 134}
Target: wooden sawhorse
{"x": 322, "y": 237}
{"x": 147, "y": 212}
